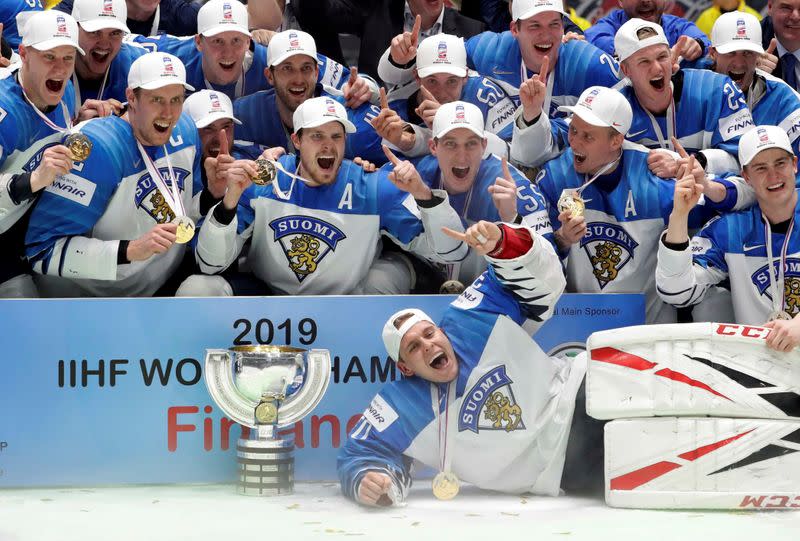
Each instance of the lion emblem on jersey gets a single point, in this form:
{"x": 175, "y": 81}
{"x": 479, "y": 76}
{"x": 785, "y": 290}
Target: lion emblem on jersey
{"x": 609, "y": 248}
{"x": 500, "y": 410}
{"x": 305, "y": 240}
{"x": 791, "y": 292}
{"x": 302, "y": 256}
{"x": 161, "y": 211}
{"x": 762, "y": 281}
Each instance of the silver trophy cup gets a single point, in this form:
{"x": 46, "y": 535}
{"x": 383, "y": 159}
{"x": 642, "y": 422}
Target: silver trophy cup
{"x": 264, "y": 388}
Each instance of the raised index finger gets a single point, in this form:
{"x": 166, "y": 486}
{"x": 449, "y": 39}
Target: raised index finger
{"x": 384, "y": 100}
{"x": 454, "y": 234}
{"x": 353, "y": 76}
{"x": 426, "y": 95}
{"x": 390, "y": 155}
{"x": 223, "y": 143}
{"x": 679, "y": 148}
{"x": 543, "y": 71}
{"x": 415, "y": 30}
{"x": 506, "y": 170}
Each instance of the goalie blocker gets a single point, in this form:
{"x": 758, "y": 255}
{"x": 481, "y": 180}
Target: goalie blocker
{"x": 750, "y": 459}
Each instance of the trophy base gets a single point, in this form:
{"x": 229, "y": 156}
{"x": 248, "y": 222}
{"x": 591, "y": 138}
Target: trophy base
{"x": 266, "y": 467}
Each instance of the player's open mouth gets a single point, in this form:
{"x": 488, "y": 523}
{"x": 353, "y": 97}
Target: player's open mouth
{"x": 326, "y": 162}
{"x": 227, "y": 66}
{"x": 439, "y": 361}
{"x": 579, "y": 158}
{"x": 161, "y": 126}
{"x": 100, "y": 56}
{"x": 54, "y": 85}
{"x": 297, "y": 91}
{"x": 460, "y": 172}
{"x": 543, "y": 48}
{"x": 736, "y": 76}
{"x": 657, "y": 82}
{"x": 646, "y": 11}
{"x": 775, "y": 187}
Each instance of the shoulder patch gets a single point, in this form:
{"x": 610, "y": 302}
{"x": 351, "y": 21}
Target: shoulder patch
{"x": 380, "y": 414}
{"x": 73, "y": 188}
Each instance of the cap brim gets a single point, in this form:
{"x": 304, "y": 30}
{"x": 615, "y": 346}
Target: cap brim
{"x": 743, "y": 45}
{"x": 93, "y": 25}
{"x": 290, "y": 54}
{"x": 220, "y": 28}
{"x": 160, "y": 83}
{"x": 349, "y": 127}
{"x": 535, "y": 11}
{"x": 588, "y": 116}
{"x": 441, "y": 68}
{"x": 48, "y": 44}
{"x": 213, "y": 117}
{"x": 451, "y": 127}
{"x": 762, "y": 149}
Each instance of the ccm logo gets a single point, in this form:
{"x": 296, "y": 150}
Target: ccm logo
{"x": 771, "y": 502}
{"x": 742, "y": 330}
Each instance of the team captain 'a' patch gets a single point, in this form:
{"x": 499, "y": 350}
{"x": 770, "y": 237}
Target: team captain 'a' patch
{"x": 609, "y": 248}
{"x": 305, "y": 240}
{"x": 490, "y": 404}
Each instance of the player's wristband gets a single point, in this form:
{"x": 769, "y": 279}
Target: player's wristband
{"x": 122, "y": 252}
{"x": 676, "y": 246}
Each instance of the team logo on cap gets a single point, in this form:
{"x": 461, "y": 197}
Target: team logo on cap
{"x": 609, "y": 248}
{"x": 791, "y": 284}
{"x": 330, "y": 106}
{"x": 168, "y": 68}
{"x": 108, "y": 8}
{"x": 763, "y": 136}
{"x": 215, "y": 104}
{"x": 490, "y": 405}
{"x": 460, "y": 114}
{"x": 590, "y": 97}
{"x": 741, "y": 29}
{"x": 61, "y": 24}
{"x": 294, "y": 40}
{"x": 149, "y": 198}
{"x": 226, "y": 11}
{"x": 305, "y": 241}
{"x": 442, "y": 50}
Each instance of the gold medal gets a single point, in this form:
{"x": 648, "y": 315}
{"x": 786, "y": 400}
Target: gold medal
{"x": 571, "y": 201}
{"x": 185, "y": 230}
{"x": 79, "y": 146}
{"x": 451, "y": 287}
{"x": 266, "y": 413}
{"x": 445, "y": 485}
{"x": 266, "y": 172}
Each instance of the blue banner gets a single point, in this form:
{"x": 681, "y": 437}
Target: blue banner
{"x": 111, "y": 391}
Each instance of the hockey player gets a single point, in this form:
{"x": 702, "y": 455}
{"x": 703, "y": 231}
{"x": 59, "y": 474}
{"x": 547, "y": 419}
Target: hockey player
{"x": 757, "y": 249}
{"x": 320, "y": 235}
{"x": 223, "y": 57}
{"x": 479, "y": 400}
{"x": 115, "y": 225}
{"x": 509, "y": 58}
{"x": 293, "y": 71}
{"x": 440, "y": 77}
{"x": 478, "y": 188}
{"x": 608, "y": 209}
{"x": 36, "y": 108}
{"x": 102, "y": 73}
{"x": 736, "y": 40}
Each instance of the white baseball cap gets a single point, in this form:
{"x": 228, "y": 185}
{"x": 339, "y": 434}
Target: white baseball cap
{"x": 154, "y": 70}
{"x": 289, "y": 43}
{"x": 525, "y": 9}
{"x": 762, "y": 138}
{"x": 736, "y": 31}
{"x": 45, "y": 30}
{"x": 94, "y": 15}
{"x": 392, "y": 336}
{"x": 602, "y": 106}
{"x": 207, "y": 106}
{"x": 219, "y": 16}
{"x": 458, "y": 114}
{"x": 635, "y": 35}
{"x": 318, "y": 111}
{"x": 442, "y": 53}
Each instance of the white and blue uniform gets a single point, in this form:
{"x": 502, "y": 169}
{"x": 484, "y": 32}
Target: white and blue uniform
{"x": 517, "y": 447}
{"x": 476, "y": 204}
{"x": 261, "y": 125}
{"x": 323, "y": 240}
{"x": 76, "y": 227}
{"x": 24, "y": 137}
{"x": 114, "y": 83}
{"x": 331, "y": 73}
{"x": 626, "y": 211}
{"x": 8, "y": 16}
{"x": 733, "y": 247}
{"x": 710, "y": 115}
{"x": 774, "y": 103}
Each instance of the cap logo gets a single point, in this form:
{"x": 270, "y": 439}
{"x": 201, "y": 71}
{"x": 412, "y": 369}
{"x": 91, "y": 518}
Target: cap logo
{"x": 442, "y": 50}
{"x": 646, "y": 32}
{"x": 540, "y": 3}
{"x": 294, "y": 40}
{"x": 226, "y": 11}
{"x": 587, "y": 101}
{"x": 168, "y": 69}
{"x": 108, "y": 8}
{"x": 763, "y": 136}
{"x": 741, "y": 29}
{"x": 460, "y": 115}
{"x": 215, "y": 104}
{"x": 61, "y": 25}
{"x": 331, "y": 107}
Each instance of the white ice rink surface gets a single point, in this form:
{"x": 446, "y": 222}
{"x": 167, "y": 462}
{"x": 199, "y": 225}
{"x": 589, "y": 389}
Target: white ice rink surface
{"x": 318, "y": 511}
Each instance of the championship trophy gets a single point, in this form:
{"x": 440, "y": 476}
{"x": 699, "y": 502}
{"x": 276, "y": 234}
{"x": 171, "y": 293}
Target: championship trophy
{"x": 266, "y": 387}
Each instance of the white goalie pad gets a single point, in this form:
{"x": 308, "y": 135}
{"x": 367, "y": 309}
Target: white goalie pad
{"x": 716, "y": 369}
{"x": 702, "y": 463}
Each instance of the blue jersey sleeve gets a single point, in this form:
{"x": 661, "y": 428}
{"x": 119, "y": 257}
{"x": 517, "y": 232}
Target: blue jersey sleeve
{"x": 709, "y": 245}
{"x": 393, "y": 207}
{"x": 601, "y": 34}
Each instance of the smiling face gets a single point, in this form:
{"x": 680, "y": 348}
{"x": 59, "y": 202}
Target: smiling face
{"x": 786, "y": 21}
{"x": 154, "y": 113}
{"x": 101, "y": 49}
{"x": 210, "y": 137}
{"x": 771, "y": 173}
{"x": 592, "y": 146}
{"x": 649, "y": 10}
{"x": 223, "y": 56}
{"x": 321, "y": 151}
{"x": 740, "y": 66}
{"x": 650, "y": 72}
{"x": 294, "y": 80}
{"x": 539, "y": 36}
{"x": 426, "y": 352}
{"x": 445, "y": 87}
{"x": 459, "y": 152}
{"x": 45, "y": 73}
